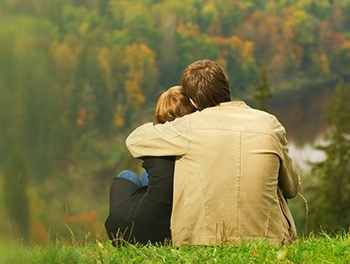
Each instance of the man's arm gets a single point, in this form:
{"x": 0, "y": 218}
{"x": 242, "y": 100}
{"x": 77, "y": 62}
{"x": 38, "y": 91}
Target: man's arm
{"x": 169, "y": 139}
{"x": 289, "y": 179}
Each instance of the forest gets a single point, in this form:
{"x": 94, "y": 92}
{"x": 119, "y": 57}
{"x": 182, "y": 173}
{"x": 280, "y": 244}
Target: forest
{"x": 76, "y": 76}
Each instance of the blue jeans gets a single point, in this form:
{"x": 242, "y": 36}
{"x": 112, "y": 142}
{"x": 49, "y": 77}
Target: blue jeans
{"x": 131, "y": 176}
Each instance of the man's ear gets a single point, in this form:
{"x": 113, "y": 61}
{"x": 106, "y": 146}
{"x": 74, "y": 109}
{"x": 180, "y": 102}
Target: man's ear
{"x": 194, "y": 104}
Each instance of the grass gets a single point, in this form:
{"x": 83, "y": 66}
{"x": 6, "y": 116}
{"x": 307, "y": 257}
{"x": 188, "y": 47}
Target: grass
{"x": 321, "y": 249}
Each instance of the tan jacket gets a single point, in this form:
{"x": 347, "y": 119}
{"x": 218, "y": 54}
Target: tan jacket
{"x": 230, "y": 174}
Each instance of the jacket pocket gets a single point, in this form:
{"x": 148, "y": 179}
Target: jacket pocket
{"x": 283, "y": 209}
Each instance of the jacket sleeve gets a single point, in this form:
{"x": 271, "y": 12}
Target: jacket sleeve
{"x": 289, "y": 179}
{"x": 169, "y": 139}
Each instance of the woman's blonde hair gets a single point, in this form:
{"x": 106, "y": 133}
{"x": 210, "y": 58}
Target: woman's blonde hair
{"x": 172, "y": 104}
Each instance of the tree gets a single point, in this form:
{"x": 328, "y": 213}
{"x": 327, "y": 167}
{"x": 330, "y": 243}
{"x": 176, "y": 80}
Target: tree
{"x": 262, "y": 92}
{"x": 330, "y": 204}
{"x": 168, "y": 60}
{"x": 141, "y": 73}
{"x": 16, "y": 200}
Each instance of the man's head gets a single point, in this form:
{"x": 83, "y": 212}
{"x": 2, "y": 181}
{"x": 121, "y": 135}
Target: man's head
{"x": 206, "y": 84}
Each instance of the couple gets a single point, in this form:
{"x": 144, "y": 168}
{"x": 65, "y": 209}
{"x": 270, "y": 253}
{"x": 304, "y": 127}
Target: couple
{"x": 218, "y": 171}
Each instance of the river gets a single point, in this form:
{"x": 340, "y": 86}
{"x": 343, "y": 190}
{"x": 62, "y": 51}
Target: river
{"x": 302, "y": 114}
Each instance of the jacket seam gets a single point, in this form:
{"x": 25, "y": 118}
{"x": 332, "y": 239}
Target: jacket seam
{"x": 189, "y": 140}
{"x": 268, "y": 219}
{"x": 239, "y": 183}
{"x": 240, "y": 130}
{"x": 155, "y": 138}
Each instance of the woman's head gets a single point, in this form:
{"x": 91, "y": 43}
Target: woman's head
{"x": 172, "y": 104}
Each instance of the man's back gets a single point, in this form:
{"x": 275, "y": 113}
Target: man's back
{"x": 231, "y": 159}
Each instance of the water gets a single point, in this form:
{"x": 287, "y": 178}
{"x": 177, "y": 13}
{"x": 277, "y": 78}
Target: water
{"x": 302, "y": 114}
{"x": 304, "y": 156}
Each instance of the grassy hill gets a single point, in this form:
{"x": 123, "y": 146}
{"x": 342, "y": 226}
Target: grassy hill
{"x": 312, "y": 249}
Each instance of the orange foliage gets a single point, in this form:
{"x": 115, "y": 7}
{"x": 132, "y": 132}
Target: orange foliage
{"x": 208, "y": 39}
{"x": 297, "y": 55}
{"x": 338, "y": 40}
{"x": 346, "y": 46}
{"x": 38, "y": 232}
{"x": 278, "y": 63}
{"x": 82, "y": 114}
{"x": 219, "y": 40}
{"x": 88, "y": 220}
{"x": 147, "y": 50}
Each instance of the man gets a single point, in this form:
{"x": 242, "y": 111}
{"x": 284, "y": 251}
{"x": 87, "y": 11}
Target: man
{"x": 232, "y": 172}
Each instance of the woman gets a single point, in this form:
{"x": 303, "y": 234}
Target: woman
{"x": 140, "y": 209}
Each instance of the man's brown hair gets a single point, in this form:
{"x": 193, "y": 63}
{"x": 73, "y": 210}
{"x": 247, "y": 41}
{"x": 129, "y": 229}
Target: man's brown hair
{"x": 172, "y": 104}
{"x": 206, "y": 84}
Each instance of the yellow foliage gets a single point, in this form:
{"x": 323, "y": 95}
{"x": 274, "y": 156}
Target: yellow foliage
{"x": 215, "y": 26}
{"x": 139, "y": 60}
{"x": 208, "y": 39}
{"x": 236, "y": 42}
{"x": 324, "y": 64}
{"x": 64, "y": 61}
{"x": 248, "y": 52}
{"x": 209, "y": 8}
{"x": 287, "y": 31}
{"x": 134, "y": 94}
{"x": 118, "y": 119}
{"x": 246, "y": 5}
{"x": 190, "y": 29}
{"x": 221, "y": 62}
{"x": 83, "y": 29}
{"x": 104, "y": 61}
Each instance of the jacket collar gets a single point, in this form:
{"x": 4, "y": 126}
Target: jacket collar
{"x": 235, "y": 104}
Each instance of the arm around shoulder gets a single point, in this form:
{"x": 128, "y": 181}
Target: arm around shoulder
{"x": 169, "y": 139}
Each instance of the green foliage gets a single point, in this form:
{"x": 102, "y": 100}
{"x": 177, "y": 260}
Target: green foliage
{"x": 262, "y": 92}
{"x": 308, "y": 250}
{"x": 330, "y": 209}
{"x": 16, "y": 200}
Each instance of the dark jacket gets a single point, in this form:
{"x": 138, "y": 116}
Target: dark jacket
{"x": 142, "y": 214}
